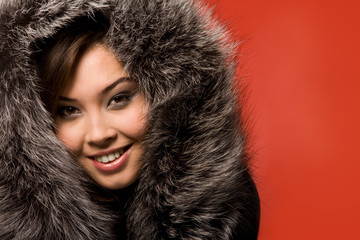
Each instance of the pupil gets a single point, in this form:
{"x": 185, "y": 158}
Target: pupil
{"x": 118, "y": 98}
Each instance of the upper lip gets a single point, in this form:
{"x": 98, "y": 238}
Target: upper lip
{"x": 110, "y": 151}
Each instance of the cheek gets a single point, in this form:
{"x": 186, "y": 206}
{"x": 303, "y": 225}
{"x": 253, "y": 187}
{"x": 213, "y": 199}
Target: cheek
{"x": 138, "y": 118}
{"x": 133, "y": 121}
{"x": 71, "y": 137}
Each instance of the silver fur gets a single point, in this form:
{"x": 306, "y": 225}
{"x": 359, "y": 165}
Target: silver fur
{"x": 194, "y": 183}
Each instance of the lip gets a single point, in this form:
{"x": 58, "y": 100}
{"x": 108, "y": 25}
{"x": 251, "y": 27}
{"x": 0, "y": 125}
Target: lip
{"x": 107, "y": 152}
{"x": 114, "y": 165}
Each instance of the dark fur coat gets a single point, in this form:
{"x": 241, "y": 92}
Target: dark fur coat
{"x": 194, "y": 183}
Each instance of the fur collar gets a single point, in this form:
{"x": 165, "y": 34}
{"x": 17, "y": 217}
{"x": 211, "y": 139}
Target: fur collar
{"x": 194, "y": 183}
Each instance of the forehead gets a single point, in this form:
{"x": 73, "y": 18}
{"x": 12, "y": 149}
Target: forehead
{"x": 97, "y": 67}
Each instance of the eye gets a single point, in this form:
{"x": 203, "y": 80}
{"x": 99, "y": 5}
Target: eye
{"x": 120, "y": 100}
{"x": 67, "y": 112}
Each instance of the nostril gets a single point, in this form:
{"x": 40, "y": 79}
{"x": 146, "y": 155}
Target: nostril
{"x": 101, "y": 135}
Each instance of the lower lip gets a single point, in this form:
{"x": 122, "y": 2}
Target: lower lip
{"x": 114, "y": 165}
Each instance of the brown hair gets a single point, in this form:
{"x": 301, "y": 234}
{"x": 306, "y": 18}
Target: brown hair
{"x": 59, "y": 56}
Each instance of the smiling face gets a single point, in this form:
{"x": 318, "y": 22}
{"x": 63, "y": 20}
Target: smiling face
{"x": 100, "y": 117}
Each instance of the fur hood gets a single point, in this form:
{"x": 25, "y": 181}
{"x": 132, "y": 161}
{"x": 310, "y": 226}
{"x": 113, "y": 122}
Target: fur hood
{"x": 194, "y": 183}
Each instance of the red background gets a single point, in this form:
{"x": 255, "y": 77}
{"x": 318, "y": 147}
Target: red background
{"x": 300, "y": 60}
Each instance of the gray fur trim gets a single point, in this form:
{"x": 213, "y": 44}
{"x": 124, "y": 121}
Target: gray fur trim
{"x": 194, "y": 183}
{"x": 42, "y": 193}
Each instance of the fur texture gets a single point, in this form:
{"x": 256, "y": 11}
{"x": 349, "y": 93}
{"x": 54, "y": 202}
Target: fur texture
{"x": 194, "y": 183}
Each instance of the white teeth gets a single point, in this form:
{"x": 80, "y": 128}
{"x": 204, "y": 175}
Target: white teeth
{"x": 110, "y": 157}
{"x": 104, "y": 159}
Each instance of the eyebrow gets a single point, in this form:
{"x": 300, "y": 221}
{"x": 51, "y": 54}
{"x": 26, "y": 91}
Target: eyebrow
{"x": 104, "y": 91}
{"x": 114, "y": 84}
{"x": 62, "y": 98}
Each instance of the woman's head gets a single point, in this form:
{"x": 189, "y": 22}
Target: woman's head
{"x": 99, "y": 112}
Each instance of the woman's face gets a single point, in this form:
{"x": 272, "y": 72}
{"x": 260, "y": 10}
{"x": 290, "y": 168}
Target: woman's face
{"x": 101, "y": 118}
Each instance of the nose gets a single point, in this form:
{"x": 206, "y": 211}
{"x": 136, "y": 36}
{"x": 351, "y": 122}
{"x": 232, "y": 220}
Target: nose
{"x": 99, "y": 131}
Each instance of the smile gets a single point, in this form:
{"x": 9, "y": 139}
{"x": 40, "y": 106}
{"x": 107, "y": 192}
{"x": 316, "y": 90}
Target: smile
{"x": 110, "y": 157}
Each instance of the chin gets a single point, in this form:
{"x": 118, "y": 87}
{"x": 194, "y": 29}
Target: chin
{"x": 117, "y": 183}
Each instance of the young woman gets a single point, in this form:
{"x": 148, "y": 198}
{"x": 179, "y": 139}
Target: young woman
{"x": 119, "y": 121}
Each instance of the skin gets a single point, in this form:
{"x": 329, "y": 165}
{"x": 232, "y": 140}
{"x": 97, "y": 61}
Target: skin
{"x": 101, "y": 110}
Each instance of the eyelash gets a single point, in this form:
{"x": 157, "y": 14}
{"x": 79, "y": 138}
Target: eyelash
{"x": 70, "y": 112}
{"x": 124, "y": 100}
{"x": 67, "y": 112}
